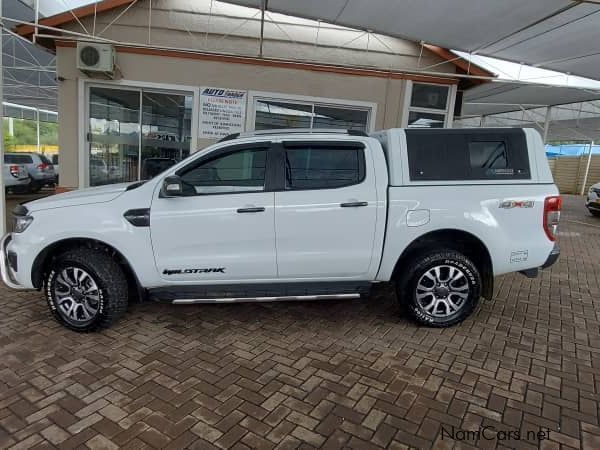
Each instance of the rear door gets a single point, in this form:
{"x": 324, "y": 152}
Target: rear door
{"x": 325, "y": 213}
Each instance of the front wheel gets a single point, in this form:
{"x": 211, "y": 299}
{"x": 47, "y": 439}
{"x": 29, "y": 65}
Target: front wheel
{"x": 86, "y": 289}
{"x": 440, "y": 289}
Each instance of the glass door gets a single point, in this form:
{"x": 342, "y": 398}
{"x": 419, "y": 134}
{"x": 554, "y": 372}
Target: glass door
{"x": 166, "y": 131}
{"x": 135, "y": 134}
{"x": 114, "y": 135}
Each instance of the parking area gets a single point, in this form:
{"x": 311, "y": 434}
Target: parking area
{"x": 523, "y": 371}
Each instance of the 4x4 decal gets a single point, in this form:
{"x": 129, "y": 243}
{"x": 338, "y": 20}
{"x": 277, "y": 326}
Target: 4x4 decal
{"x": 186, "y": 271}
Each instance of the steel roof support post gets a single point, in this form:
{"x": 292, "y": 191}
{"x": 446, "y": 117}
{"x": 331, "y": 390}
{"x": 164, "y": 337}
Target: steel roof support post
{"x": 547, "y": 123}
{"x": 587, "y": 169}
{"x": 37, "y": 17}
{"x": 2, "y": 196}
{"x": 263, "y": 7}
{"x": 37, "y": 128}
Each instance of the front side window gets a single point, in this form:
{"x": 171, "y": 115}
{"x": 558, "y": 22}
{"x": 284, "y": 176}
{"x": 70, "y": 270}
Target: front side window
{"x": 323, "y": 168}
{"x": 234, "y": 172}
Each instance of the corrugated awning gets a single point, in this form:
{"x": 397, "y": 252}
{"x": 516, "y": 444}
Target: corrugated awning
{"x": 561, "y": 35}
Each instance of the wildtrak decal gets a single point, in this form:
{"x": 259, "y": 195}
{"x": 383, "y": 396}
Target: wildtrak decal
{"x": 188, "y": 271}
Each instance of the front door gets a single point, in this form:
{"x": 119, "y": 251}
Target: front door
{"x": 222, "y": 228}
{"x": 325, "y": 217}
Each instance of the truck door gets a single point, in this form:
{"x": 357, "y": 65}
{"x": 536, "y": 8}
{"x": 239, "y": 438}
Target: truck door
{"x": 325, "y": 217}
{"x": 222, "y": 228}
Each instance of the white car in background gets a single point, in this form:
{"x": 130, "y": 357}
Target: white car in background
{"x": 16, "y": 178}
{"x": 39, "y": 168}
{"x": 592, "y": 202}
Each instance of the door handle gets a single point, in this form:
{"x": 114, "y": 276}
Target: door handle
{"x": 353, "y": 204}
{"x": 251, "y": 210}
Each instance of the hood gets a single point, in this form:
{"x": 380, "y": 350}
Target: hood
{"x": 87, "y": 196}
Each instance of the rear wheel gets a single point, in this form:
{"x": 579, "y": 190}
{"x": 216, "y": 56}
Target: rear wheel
{"x": 440, "y": 289}
{"x": 86, "y": 289}
{"x": 34, "y": 187}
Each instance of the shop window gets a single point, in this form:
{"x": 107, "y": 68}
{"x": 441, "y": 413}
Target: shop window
{"x": 282, "y": 113}
{"x": 428, "y": 105}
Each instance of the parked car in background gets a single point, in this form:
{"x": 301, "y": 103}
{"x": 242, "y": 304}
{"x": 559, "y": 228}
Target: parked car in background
{"x": 299, "y": 215}
{"x": 39, "y": 167}
{"x": 56, "y": 166}
{"x": 99, "y": 173}
{"x": 592, "y": 202}
{"x": 16, "y": 178}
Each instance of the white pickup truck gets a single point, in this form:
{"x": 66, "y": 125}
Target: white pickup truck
{"x": 298, "y": 214}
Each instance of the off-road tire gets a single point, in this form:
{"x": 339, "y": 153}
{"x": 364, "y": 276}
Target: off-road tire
{"x": 108, "y": 276}
{"x": 406, "y": 286}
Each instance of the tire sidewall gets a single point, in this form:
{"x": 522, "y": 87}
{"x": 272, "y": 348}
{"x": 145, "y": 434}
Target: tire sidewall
{"x": 49, "y": 284}
{"x": 452, "y": 259}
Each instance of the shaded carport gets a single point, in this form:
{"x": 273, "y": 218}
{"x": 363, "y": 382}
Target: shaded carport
{"x": 560, "y": 35}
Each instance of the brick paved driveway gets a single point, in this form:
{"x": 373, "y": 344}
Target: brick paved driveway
{"x": 328, "y": 374}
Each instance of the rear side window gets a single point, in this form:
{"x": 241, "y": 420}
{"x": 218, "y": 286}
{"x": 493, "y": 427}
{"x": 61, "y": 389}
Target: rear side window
{"x": 323, "y": 167}
{"x": 44, "y": 159}
{"x": 454, "y": 155}
{"x": 17, "y": 159}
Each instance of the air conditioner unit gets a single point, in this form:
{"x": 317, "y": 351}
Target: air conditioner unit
{"x": 94, "y": 58}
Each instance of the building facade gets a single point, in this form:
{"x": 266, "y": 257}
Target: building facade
{"x": 188, "y": 73}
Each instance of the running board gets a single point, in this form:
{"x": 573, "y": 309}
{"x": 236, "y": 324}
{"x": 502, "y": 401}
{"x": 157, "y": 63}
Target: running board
{"x": 189, "y": 301}
{"x": 259, "y": 292}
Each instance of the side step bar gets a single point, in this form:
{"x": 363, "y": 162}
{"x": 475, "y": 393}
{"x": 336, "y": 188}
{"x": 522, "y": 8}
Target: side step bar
{"x": 188, "y": 301}
{"x": 259, "y": 292}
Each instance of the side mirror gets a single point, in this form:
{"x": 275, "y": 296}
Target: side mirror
{"x": 172, "y": 186}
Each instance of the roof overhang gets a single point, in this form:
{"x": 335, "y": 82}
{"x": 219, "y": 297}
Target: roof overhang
{"x": 496, "y": 98}
{"x": 561, "y": 35}
{"x": 51, "y": 26}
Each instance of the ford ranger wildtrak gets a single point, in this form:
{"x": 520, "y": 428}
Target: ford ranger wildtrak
{"x": 298, "y": 214}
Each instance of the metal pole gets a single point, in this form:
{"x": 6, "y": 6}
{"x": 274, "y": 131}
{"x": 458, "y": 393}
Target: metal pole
{"x": 263, "y": 6}
{"x": 2, "y": 196}
{"x": 37, "y": 128}
{"x": 587, "y": 169}
{"x": 547, "y": 123}
{"x": 37, "y": 18}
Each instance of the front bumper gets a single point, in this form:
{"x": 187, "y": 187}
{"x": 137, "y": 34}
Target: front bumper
{"x": 5, "y": 270}
{"x": 593, "y": 205}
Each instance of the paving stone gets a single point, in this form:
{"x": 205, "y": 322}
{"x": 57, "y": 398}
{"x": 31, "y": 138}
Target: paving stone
{"x": 316, "y": 374}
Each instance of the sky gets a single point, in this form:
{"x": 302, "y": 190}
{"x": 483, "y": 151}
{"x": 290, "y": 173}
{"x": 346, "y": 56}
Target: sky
{"x": 504, "y": 69}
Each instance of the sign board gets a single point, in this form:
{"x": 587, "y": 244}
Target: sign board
{"x": 222, "y": 112}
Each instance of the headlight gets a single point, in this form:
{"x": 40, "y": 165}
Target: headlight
{"x": 20, "y": 223}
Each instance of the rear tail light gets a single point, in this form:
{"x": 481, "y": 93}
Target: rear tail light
{"x": 42, "y": 166}
{"x": 552, "y": 207}
{"x": 14, "y": 171}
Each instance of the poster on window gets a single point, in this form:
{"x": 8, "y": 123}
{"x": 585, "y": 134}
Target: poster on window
{"x": 222, "y": 112}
